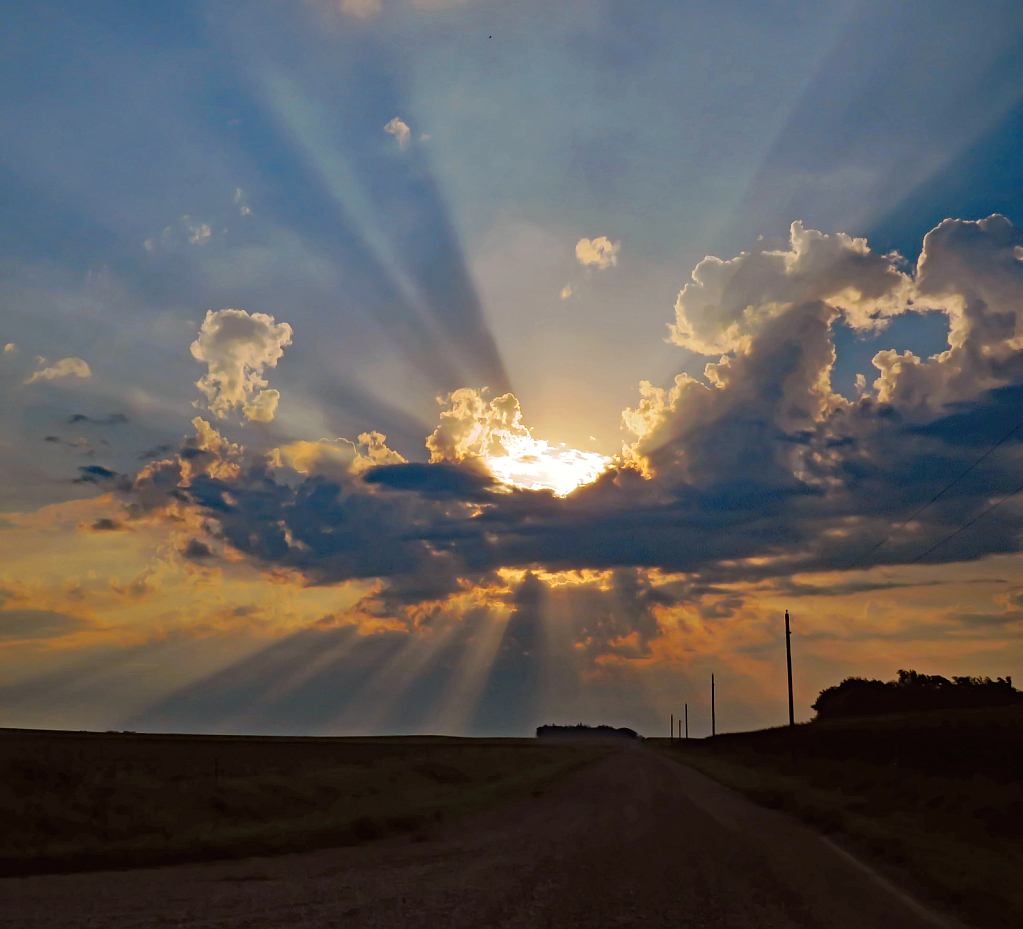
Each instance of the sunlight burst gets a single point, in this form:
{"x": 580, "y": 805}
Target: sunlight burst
{"x": 534, "y": 465}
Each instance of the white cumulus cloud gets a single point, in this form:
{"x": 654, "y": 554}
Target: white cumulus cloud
{"x": 11, "y": 349}
{"x": 237, "y": 347}
{"x": 399, "y": 129}
{"x": 728, "y": 302}
{"x": 601, "y": 252}
{"x": 66, "y": 367}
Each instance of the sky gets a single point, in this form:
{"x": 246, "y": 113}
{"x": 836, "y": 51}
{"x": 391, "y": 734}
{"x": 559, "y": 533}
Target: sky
{"x": 461, "y": 366}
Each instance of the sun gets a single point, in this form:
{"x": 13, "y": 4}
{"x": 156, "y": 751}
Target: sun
{"x": 476, "y": 428}
{"x": 534, "y": 465}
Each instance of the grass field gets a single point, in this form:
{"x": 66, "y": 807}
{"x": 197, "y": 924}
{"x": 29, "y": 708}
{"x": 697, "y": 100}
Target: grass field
{"x": 76, "y": 801}
{"x": 938, "y": 794}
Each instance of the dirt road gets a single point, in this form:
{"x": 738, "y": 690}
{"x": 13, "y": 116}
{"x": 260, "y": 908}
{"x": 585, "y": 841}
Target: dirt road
{"x": 634, "y": 840}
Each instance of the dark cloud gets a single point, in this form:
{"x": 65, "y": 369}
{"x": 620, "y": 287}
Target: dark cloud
{"x": 113, "y": 419}
{"x": 197, "y": 551}
{"x": 106, "y": 525}
{"x": 793, "y": 588}
{"x": 157, "y": 451}
{"x": 1009, "y": 621}
{"x": 97, "y": 474}
{"x": 36, "y": 624}
{"x": 437, "y": 480}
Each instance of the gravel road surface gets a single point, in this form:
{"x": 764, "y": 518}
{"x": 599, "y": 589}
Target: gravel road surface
{"x": 633, "y": 840}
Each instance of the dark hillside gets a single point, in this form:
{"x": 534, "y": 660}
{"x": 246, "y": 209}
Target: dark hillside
{"x": 955, "y": 743}
{"x": 937, "y": 794}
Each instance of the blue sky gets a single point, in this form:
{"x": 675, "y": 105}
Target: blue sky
{"x": 691, "y": 129}
{"x": 162, "y": 161}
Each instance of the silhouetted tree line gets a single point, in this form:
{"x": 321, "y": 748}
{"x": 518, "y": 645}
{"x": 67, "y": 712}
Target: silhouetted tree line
{"x": 584, "y": 732}
{"x": 912, "y": 691}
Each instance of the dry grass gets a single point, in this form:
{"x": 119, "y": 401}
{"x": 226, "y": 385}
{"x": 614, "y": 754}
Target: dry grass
{"x": 918, "y": 792}
{"x": 75, "y": 801}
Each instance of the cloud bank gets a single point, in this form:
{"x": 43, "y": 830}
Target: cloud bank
{"x": 753, "y": 471}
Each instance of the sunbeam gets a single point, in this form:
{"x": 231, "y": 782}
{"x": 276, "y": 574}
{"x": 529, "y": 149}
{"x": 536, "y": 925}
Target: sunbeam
{"x": 458, "y": 704}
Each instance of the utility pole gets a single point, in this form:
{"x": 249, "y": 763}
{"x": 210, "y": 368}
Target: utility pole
{"x": 788, "y": 659}
{"x": 671, "y": 728}
{"x": 687, "y": 722}
{"x": 713, "y": 719}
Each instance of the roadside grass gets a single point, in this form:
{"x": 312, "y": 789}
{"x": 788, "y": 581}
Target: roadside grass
{"x": 84, "y": 801}
{"x": 905, "y": 791}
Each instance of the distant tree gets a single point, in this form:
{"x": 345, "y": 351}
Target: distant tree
{"x": 913, "y": 691}
{"x": 585, "y": 732}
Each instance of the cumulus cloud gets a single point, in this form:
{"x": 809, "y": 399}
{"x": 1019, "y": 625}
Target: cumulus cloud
{"x": 11, "y": 350}
{"x": 66, "y": 367}
{"x": 566, "y": 291}
{"x": 602, "y": 252}
{"x": 764, "y": 416}
{"x": 336, "y": 457}
{"x": 237, "y": 347}
{"x": 162, "y": 484}
{"x": 197, "y": 550}
{"x": 398, "y": 128}
{"x": 473, "y": 427}
{"x": 972, "y": 272}
{"x": 728, "y": 302}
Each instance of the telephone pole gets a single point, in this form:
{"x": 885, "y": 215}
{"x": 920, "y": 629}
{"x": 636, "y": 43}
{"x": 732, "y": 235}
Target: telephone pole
{"x": 713, "y": 719}
{"x": 687, "y": 721}
{"x": 671, "y": 728}
{"x": 788, "y": 658}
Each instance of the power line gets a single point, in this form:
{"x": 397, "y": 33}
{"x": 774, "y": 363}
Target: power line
{"x": 947, "y": 487}
{"x": 966, "y": 525}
